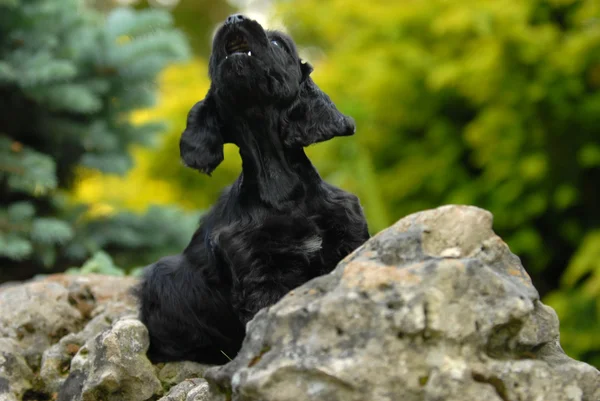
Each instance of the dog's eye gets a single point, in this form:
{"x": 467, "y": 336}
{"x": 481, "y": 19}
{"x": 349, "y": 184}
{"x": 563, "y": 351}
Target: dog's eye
{"x": 275, "y": 42}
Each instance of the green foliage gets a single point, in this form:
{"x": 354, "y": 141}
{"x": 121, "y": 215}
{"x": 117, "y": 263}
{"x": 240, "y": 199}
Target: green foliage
{"x": 69, "y": 78}
{"x": 135, "y": 239}
{"x": 100, "y": 263}
{"x": 163, "y": 178}
{"x": 577, "y": 301}
{"x": 25, "y": 170}
{"x": 197, "y": 19}
{"x": 484, "y": 102}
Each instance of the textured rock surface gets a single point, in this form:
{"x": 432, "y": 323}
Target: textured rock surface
{"x": 65, "y": 337}
{"x": 174, "y": 373}
{"x": 15, "y": 375}
{"x": 188, "y": 390}
{"x": 36, "y": 316}
{"x": 43, "y": 323}
{"x": 112, "y": 366}
{"x": 434, "y": 308}
{"x": 56, "y": 360}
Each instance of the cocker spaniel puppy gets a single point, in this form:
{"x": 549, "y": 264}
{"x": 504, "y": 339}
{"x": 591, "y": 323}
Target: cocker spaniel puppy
{"x": 279, "y": 224}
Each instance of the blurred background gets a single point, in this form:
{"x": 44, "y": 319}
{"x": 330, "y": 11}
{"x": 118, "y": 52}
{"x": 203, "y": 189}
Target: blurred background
{"x": 491, "y": 103}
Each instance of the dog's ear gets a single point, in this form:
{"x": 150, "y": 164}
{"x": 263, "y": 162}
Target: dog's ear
{"x": 201, "y": 144}
{"x": 313, "y": 117}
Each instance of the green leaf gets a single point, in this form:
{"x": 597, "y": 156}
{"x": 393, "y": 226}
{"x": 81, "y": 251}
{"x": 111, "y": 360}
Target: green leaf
{"x": 19, "y": 212}
{"x": 9, "y": 3}
{"x": 7, "y": 72}
{"x": 586, "y": 260}
{"x": 125, "y": 21}
{"x": 589, "y": 155}
{"x": 113, "y": 163}
{"x": 14, "y": 247}
{"x": 67, "y": 97}
{"x": 99, "y": 138}
{"x": 100, "y": 263}
{"x": 565, "y": 196}
{"x": 137, "y": 272}
{"x": 41, "y": 68}
{"x": 47, "y": 255}
{"x": 51, "y": 231}
{"x": 27, "y": 170}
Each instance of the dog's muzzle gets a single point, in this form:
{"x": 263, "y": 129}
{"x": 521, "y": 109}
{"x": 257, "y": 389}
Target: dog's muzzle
{"x": 236, "y": 42}
{"x": 234, "y": 19}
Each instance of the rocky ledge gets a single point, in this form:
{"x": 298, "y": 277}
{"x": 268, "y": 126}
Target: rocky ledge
{"x": 434, "y": 308}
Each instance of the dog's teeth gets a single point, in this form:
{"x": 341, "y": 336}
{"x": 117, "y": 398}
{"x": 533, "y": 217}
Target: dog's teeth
{"x": 249, "y": 53}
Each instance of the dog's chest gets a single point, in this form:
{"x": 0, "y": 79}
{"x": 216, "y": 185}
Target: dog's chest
{"x": 312, "y": 244}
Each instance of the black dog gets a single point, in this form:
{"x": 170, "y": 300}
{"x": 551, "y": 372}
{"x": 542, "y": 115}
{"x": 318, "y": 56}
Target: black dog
{"x": 277, "y": 226}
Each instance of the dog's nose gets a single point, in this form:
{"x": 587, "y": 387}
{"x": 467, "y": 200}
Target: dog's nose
{"x": 235, "y": 19}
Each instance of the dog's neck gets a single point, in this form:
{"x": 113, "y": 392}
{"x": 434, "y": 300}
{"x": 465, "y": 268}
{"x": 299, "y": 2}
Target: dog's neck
{"x": 271, "y": 173}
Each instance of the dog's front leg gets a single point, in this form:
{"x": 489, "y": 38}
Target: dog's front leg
{"x": 257, "y": 294}
{"x": 259, "y": 280}
{"x": 266, "y": 262}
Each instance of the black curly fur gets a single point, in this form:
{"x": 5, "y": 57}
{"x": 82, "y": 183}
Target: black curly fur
{"x": 277, "y": 226}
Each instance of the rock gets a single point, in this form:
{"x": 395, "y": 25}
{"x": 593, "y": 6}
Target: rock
{"x": 112, "y": 366}
{"x": 188, "y": 390}
{"x": 66, "y": 337}
{"x": 96, "y": 287}
{"x": 16, "y": 377}
{"x": 434, "y": 308}
{"x": 36, "y": 316}
{"x": 174, "y": 373}
{"x": 44, "y": 322}
{"x": 39, "y": 313}
{"x": 56, "y": 360}
{"x": 199, "y": 393}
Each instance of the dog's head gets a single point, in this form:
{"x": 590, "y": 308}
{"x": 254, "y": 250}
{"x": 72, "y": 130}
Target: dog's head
{"x": 252, "y": 68}
{"x": 249, "y": 64}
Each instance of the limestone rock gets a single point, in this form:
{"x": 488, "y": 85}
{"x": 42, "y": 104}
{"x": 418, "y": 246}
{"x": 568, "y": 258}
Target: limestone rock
{"x": 16, "y": 378}
{"x": 36, "y": 316}
{"x": 188, "y": 390}
{"x": 39, "y": 313}
{"x": 56, "y": 360}
{"x": 173, "y": 373}
{"x": 112, "y": 366}
{"x": 434, "y": 308}
{"x": 199, "y": 393}
{"x": 44, "y": 322}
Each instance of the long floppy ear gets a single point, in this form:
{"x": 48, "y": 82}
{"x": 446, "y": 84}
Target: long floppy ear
{"x": 313, "y": 117}
{"x": 201, "y": 144}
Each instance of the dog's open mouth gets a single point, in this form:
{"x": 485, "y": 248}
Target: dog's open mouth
{"x": 237, "y": 44}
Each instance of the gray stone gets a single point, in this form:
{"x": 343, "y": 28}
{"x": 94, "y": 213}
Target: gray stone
{"x": 188, "y": 390}
{"x": 15, "y": 375}
{"x": 434, "y": 308}
{"x": 37, "y": 315}
{"x": 173, "y": 373}
{"x": 56, "y": 360}
{"x": 8, "y": 397}
{"x": 112, "y": 366}
{"x": 199, "y": 393}
{"x": 45, "y": 322}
